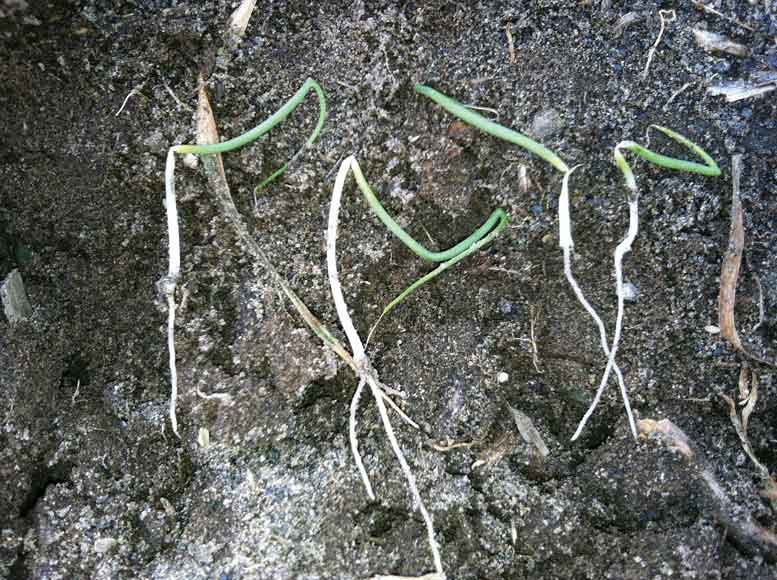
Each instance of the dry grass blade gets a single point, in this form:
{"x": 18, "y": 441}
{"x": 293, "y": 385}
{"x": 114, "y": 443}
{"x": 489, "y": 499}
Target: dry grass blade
{"x": 732, "y": 261}
{"x": 214, "y": 169}
{"x": 729, "y": 273}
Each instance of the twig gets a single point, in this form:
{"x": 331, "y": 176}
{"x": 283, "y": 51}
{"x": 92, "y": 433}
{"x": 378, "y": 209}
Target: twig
{"x": 729, "y": 272}
{"x": 175, "y": 98}
{"x": 510, "y": 44}
{"x": 665, "y": 16}
{"x": 535, "y": 358}
{"x": 702, "y": 6}
{"x": 135, "y": 91}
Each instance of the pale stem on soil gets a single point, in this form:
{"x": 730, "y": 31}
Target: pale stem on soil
{"x": 365, "y": 372}
{"x": 169, "y": 282}
{"x": 665, "y": 16}
{"x": 567, "y": 244}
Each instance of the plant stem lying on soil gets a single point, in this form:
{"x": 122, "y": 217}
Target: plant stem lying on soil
{"x": 486, "y": 125}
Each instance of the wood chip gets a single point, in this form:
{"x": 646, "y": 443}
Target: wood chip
{"x": 529, "y": 432}
{"x": 14, "y": 298}
{"x": 238, "y": 22}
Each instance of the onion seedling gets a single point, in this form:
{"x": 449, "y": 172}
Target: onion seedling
{"x": 708, "y": 168}
{"x": 168, "y": 283}
{"x": 565, "y": 225}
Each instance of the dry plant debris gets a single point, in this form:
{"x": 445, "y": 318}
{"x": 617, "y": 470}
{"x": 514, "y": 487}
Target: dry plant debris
{"x": 742, "y": 528}
{"x": 714, "y": 42}
{"x": 729, "y": 273}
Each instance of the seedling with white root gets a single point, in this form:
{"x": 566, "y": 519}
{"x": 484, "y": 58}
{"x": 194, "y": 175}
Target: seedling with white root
{"x": 708, "y": 168}
{"x": 366, "y": 373}
{"x": 565, "y": 225}
{"x": 168, "y": 283}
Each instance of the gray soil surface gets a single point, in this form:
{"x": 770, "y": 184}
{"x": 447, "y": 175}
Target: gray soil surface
{"x": 93, "y": 484}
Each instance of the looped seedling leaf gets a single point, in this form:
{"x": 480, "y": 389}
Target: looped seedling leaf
{"x": 709, "y": 167}
{"x": 479, "y": 238}
{"x": 267, "y": 125}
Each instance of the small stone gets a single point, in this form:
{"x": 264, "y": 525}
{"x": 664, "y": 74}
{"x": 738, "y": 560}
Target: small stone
{"x": 546, "y": 123}
{"x": 190, "y": 160}
{"x": 502, "y": 378}
{"x": 104, "y": 545}
{"x": 203, "y": 437}
{"x": 14, "y": 298}
{"x": 629, "y": 292}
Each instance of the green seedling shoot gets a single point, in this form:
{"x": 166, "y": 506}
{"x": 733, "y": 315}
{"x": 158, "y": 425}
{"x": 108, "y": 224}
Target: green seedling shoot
{"x": 482, "y": 236}
{"x": 265, "y": 127}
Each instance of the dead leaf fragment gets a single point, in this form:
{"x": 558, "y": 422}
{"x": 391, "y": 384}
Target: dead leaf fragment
{"x": 729, "y": 273}
{"x": 529, "y": 432}
{"x": 714, "y": 42}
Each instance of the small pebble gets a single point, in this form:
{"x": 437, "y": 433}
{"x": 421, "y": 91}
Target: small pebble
{"x": 104, "y": 545}
{"x": 190, "y": 160}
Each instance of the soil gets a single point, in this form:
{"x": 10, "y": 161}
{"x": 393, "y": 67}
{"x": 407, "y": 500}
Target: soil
{"x": 93, "y": 484}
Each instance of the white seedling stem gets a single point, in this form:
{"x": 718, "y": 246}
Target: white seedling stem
{"x": 364, "y": 369}
{"x": 567, "y": 245}
{"x": 168, "y": 283}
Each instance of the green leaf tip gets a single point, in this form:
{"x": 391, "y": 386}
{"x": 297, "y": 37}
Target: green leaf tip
{"x": 488, "y": 126}
{"x": 266, "y": 126}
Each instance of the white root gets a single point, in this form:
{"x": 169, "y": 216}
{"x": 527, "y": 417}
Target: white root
{"x": 365, "y": 371}
{"x": 567, "y": 245}
{"x": 623, "y": 248}
{"x": 168, "y": 283}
